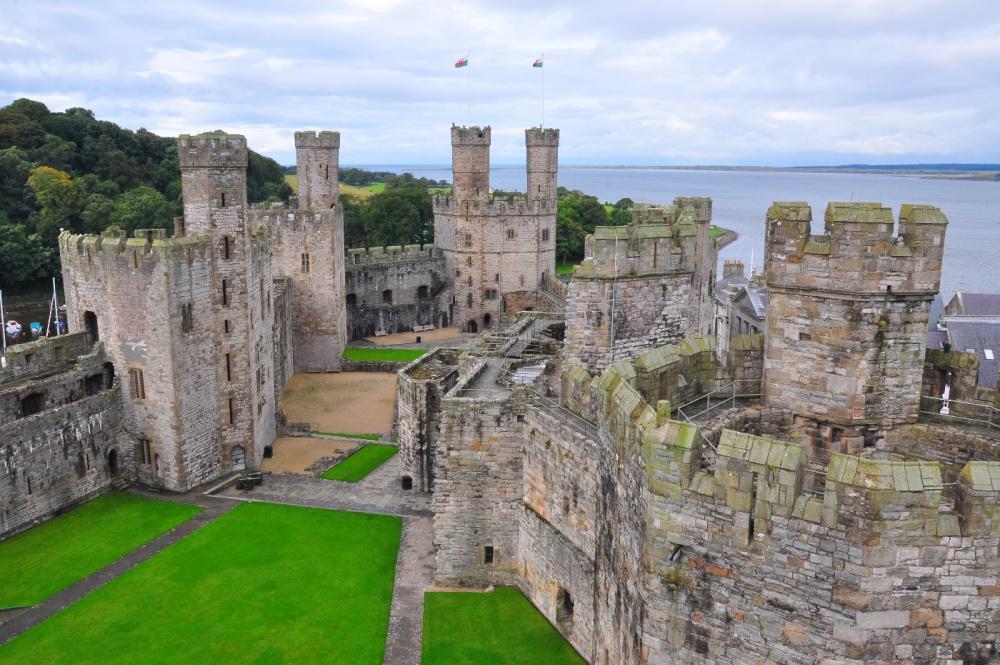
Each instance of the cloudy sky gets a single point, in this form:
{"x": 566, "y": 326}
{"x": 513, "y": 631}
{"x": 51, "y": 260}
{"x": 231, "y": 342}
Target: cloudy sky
{"x": 774, "y": 82}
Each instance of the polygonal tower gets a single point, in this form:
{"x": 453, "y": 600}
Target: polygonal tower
{"x": 847, "y": 319}
{"x": 317, "y": 159}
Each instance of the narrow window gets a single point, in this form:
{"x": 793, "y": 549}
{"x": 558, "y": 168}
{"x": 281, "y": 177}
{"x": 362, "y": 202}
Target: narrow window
{"x": 326, "y": 172}
{"x": 187, "y": 318}
{"x": 564, "y": 606}
{"x": 227, "y": 247}
{"x": 225, "y": 292}
{"x": 263, "y": 301}
{"x": 387, "y": 296}
{"x": 222, "y": 200}
{"x": 804, "y": 337}
{"x": 545, "y": 234}
{"x": 352, "y": 299}
{"x": 488, "y": 555}
{"x": 522, "y": 280}
{"x": 305, "y": 263}
{"x": 468, "y": 300}
{"x": 136, "y": 383}
{"x": 29, "y": 484}
{"x": 510, "y": 234}
{"x": 468, "y": 240}
{"x": 230, "y": 411}
{"x": 145, "y": 454}
{"x": 135, "y": 259}
{"x": 225, "y": 326}
{"x": 229, "y": 367}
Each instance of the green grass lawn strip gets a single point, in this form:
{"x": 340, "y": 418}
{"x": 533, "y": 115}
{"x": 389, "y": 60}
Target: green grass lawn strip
{"x": 360, "y": 463}
{"x": 62, "y": 551}
{"x": 366, "y": 437}
{"x": 376, "y": 354}
{"x": 497, "y": 627}
{"x": 264, "y": 583}
{"x": 565, "y": 268}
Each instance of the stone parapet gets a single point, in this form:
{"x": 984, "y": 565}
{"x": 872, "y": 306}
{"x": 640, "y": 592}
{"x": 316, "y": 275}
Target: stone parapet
{"x": 212, "y": 150}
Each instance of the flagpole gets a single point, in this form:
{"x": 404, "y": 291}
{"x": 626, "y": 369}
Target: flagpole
{"x": 468, "y": 86}
{"x": 543, "y": 91}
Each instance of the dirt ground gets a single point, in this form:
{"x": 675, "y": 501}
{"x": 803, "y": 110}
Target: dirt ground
{"x": 348, "y": 403}
{"x": 296, "y": 453}
{"x": 396, "y": 339}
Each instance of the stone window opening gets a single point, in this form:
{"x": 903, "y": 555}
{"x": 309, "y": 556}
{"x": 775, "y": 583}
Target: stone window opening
{"x": 522, "y": 280}
{"x": 222, "y": 200}
{"x": 753, "y": 508}
{"x": 145, "y": 451}
{"x": 239, "y": 458}
{"x": 263, "y": 301}
{"x": 468, "y": 261}
{"x": 28, "y": 478}
{"x": 225, "y": 326}
{"x": 136, "y": 384}
{"x": 227, "y": 247}
{"x": 305, "y": 263}
{"x": 225, "y": 292}
{"x": 352, "y": 299}
{"x": 677, "y": 554}
{"x": 510, "y": 234}
{"x": 157, "y": 469}
{"x": 229, "y": 367}
{"x": 804, "y": 337}
{"x": 491, "y": 294}
{"x": 135, "y": 259}
{"x": 468, "y": 241}
{"x": 113, "y": 463}
{"x": 545, "y": 234}
{"x": 32, "y": 404}
{"x": 230, "y": 411}
{"x": 90, "y": 326}
{"x": 187, "y": 317}
{"x": 468, "y": 299}
{"x": 387, "y": 296}
{"x": 489, "y": 555}
{"x": 326, "y": 171}
{"x": 564, "y": 606}
{"x": 487, "y": 320}
{"x": 407, "y": 483}
{"x": 423, "y": 292}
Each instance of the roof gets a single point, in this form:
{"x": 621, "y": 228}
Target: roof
{"x": 978, "y": 336}
{"x": 722, "y": 287}
{"x": 936, "y": 339}
{"x": 976, "y": 304}
{"x": 758, "y": 300}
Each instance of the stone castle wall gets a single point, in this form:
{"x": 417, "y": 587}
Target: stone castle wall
{"x": 847, "y": 321}
{"x": 642, "y": 286}
{"x": 61, "y": 455}
{"x": 417, "y": 282}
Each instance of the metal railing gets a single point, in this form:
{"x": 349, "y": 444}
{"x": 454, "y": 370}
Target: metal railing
{"x": 978, "y": 414}
{"x": 726, "y": 395}
{"x": 561, "y": 413}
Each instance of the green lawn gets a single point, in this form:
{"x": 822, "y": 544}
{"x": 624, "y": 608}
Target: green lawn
{"x": 565, "y": 268}
{"x": 264, "y": 583}
{"x": 360, "y": 463}
{"x": 367, "y": 437}
{"x": 714, "y": 231}
{"x": 379, "y": 354}
{"x": 497, "y": 628}
{"x": 53, "y": 555}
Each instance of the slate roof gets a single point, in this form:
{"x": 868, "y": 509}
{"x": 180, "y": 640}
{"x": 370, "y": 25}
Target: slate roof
{"x": 979, "y": 304}
{"x": 722, "y": 287}
{"x": 978, "y": 336}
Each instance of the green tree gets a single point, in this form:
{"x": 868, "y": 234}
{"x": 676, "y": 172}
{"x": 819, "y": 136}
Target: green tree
{"x": 142, "y": 208}
{"x": 621, "y": 213}
{"x": 24, "y": 257}
{"x": 577, "y": 215}
{"x": 58, "y": 199}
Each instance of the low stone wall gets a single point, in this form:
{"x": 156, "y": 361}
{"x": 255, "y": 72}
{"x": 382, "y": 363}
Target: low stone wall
{"x": 387, "y": 367}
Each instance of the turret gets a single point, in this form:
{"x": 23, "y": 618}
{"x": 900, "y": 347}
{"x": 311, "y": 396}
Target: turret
{"x": 317, "y": 158}
{"x": 213, "y": 176}
{"x": 543, "y": 163}
{"x": 470, "y": 159}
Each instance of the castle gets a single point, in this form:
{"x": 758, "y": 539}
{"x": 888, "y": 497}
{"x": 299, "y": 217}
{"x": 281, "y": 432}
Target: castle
{"x": 801, "y": 496}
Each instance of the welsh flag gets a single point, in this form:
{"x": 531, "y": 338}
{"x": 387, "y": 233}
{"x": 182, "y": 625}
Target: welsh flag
{"x": 462, "y": 62}
{"x": 538, "y": 63}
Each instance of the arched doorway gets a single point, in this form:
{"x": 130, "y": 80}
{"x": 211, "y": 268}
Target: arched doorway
{"x": 239, "y": 457}
{"x": 113, "y": 463}
{"x": 109, "y": 375}
{"x": 487, "y": 320}
{"x": 471, "y": 327}
{"x": 90, "y": 326}
{"x": 407, "y": 483}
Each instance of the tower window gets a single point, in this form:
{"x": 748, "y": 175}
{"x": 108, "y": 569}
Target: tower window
{"x": 187, "y": 317}
{"x": 468, "y": 240}
{"x": 145, "y": 452}
{"x": 225, "y": 292}
{"x": 227, "y": 247}
{"x": 136, "y": 383}
{"x": 229, "y": 367}
{"x": 305, "y": 263}
{"x": 510, "y": 234}
{"x": 387, "y": 296}
{"x": 489, "y": 555}
{"x": 230, "y": 411}
{"x": 222, "y": 200}
{"x": 545, "y": 234}
{"x": 352, "y": 299}
{"x": 491, "y": 294}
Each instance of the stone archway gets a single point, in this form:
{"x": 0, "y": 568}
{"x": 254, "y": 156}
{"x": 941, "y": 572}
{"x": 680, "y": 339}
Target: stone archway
{"x": 239, "y": 458}
{"x": 113, "y": 466}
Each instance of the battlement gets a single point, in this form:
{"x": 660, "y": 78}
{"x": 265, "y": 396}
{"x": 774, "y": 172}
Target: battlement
{"x": 541, "y": 137}
{"x": 317, "y": 140}
{"x": 445, "y": 204}
{"x": 661, "y": 239}
{"x": 212, "y": 150}
{"x": 858, "y": 251}
{"x": 392, "y": 254}
{"x": 461, "y": 135}
{"x": 43, "y": 355}
{"x": 84, "y": 252}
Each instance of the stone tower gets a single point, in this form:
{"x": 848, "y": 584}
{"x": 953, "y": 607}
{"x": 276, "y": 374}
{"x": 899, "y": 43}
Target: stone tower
{"x": 847, "y": 320}
{"x": 317, "y": 158}
{"x": 309, "y": 252}
{"x": 643, "y": 285}
{"x": 497, "y": 248}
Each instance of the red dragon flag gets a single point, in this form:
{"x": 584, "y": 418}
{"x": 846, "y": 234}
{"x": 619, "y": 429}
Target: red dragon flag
{"x": 539, "y": 62}
{"x": 462, "y": 62}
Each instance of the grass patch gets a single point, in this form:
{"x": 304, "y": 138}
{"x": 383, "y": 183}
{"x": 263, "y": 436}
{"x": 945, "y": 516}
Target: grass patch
{"x": 293, "y": 181}
{"x": 565, "y": 268}
{"x": 47, "y": 558}
{"x": 497, "y": 627}
{"x": 358, "y": 192}
{"x": 360, "y": 463}
{"x": 366, "y": 437}
{"x": 263, "y": 583}
{"x": 714, "y": 231}
{"x": 379, "y": 354}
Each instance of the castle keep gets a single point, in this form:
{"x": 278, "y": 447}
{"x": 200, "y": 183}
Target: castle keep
{"x": 497, "y": 248}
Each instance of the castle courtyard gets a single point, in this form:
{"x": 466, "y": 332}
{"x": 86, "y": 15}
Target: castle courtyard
{"x": 342, "y": 403}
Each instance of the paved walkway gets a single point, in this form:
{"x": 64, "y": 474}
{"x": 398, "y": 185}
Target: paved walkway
{"x": 414, "y": 575}
{"x": 211, "y": 509}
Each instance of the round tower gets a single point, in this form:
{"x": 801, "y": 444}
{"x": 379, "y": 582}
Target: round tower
{"x": 317, "y": 159}
{"x": 543, "y": 163}
{"x": 470, "y": 160}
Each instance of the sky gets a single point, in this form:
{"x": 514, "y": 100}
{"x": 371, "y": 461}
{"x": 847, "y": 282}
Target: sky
{"x": 735, "y": 82}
